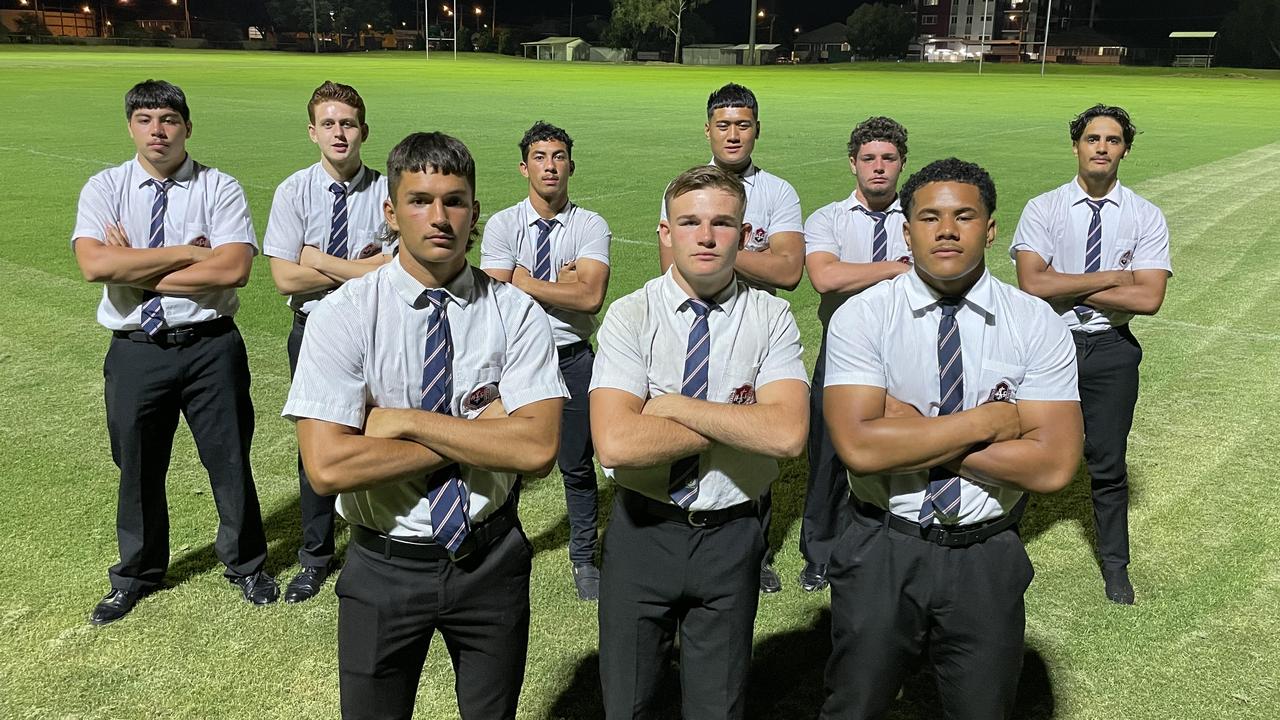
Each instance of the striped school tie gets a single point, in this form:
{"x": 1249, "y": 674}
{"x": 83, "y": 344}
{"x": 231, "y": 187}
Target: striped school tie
{"x": 683, "y": 485}
{"x": 1092, "y": 246}
{"x": 152, "y": 308}
{"x": 338, "y": 226}
{"x": 447, "y": 498}
{"x": 880, "y": 236}
{"x": 542, "y": 249}
{"x": 943, "y": 495}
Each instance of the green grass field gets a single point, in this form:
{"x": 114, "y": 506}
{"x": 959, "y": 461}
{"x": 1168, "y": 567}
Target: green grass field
{"x": 1202, "y": 641}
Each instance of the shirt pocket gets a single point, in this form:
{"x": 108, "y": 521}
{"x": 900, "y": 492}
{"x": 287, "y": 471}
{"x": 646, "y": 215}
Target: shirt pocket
{"x": 740, "y": 383}
{"x": 999, "y": 381}
{"x": 476, "y": 389}
{"x": 195, "y": 233}
{"x": 1123, "y": 251}
{"x": 364, "y": 244}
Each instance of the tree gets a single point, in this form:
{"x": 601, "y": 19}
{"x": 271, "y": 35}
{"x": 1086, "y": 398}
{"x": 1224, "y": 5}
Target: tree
{"x": 1251, "y": 35}
{"x": 30, "y": 24}
{"x": 631, "y": 19}
{"x": 878, "y": 31}
{"x": 336, "y": 16}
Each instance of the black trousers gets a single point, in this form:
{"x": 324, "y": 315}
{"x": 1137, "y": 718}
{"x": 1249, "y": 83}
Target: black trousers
{"x": 317, "y": 510}
{"x": 894, "y": 595}
{"x": 147, "y": 385}
{"x": 660, "y": 577}
{"x": 575, "y": 457}
{"x": 826, "y": 499}
{"x": 388, "y": 609}
{"x": 1108, "y": 365}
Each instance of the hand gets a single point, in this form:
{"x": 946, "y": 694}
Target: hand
{"x": 568, "y": 273}
{"x": 1002, "y": 420}
{"x": 1123, "y": 278}
{"x": 520, "y": 276}
{"x": 895, "y": 408}
{"x": 375, "y": 260}
{"x": 383, "y": 423}
{"x": 116, "y": 237}
{"x": 311, "y": 257}
{"x": 493, "y": 411}
{"x": 901, "y": 267}
{"x": 664, "y": 406}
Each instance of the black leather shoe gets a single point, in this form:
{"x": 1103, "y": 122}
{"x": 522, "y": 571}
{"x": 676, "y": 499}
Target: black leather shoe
{"x": 1119, "y": 589}
{"x": 306, "y": 583}
{"x": 586, "y": 578}
{"x": 769, "y": 580}
{"x": 813, "y": 577}
{"x": 258, "y": 588}
{"x": 115, "y": 605}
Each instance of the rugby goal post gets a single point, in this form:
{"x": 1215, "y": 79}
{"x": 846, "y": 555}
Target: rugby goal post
{"x": 426, "y": 8}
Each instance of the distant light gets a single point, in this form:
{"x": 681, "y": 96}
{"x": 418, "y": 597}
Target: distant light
{"x": 24, "y": 2}
{"x": 760, "y": 14}
{"x": 797, "y": 29}
{"x": 86, "y": 9}
{"x": 401, "y": 23}
{"x": 478, "y": 10}
{"x": 108, "y": 23}
{"x": 369, "y": 25}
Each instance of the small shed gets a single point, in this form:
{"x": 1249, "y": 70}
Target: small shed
{"x": 766, "y": 53}
{"x": 708, "y": 54}
{"x": 1193, "y": 48}
{"x": 560, "y": 48}
{"x": 829, "y": 43}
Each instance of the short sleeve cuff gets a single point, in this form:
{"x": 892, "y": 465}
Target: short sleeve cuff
{"x": 1018, "y": 247}
{"x": 602, "y": 380}
{"x": 292, "y": 254}
{"x": 1049, "y": 394}
{"x": 1151, "y": 265}
{"x": 512, "y": 401}
{"x": 816, "y": 247}
{"x": 598, "y": 257}
{"x": 789, "y": 227}
{"x": 497, "y": 264}
{"x": 790, "y": 371}
{"x": 296, "y": 410}
{"x": 853, "y": 378}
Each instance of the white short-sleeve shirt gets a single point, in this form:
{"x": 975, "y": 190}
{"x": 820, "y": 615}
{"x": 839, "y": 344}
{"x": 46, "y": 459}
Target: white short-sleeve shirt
{"x": 365, "y": 346}
{"x": 843, "y": 230}
{"x": 772, "y": 207}
{"x": 754, "y": 341}
{"x": 509, "y": 240}
{"x": 302, "y": 214}
{"x": 205, "y": 206}
{"x": 1055, "y": 226}
{"x": 1012, "y": 346}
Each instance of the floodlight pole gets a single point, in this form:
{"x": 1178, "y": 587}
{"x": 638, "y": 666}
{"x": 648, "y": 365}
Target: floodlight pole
{"x": 751, "y": 37}
{"x": 315, "y": 29}
{"x": 455, "y": 30}
{"x": 1044, "y": 49}
{"x": 985, "y": 6}
{"x": 426, "y": 29}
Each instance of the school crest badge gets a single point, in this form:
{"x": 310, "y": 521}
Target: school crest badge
{"x": 905, "y": 259}
{"x": 744, "y": 395}
{"x": 480, "y": 398}
{"x": 370, "y": 250}
{"x": 1126, "y": 258}
{"x": 1002, "y": 392}
{"x": 201, "y": 241}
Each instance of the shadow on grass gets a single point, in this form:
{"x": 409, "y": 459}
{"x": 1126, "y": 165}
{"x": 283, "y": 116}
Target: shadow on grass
{"x": 556, "y": 535}
{"x": 787, "y": 681}
{"x": 1074, "y": 505}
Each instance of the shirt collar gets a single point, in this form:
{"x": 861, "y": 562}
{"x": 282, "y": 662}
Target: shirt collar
{"x": 981, "y": 297}
{"x": 1078, "y": 194}
{"x": 181, "y": 177}
{"x": 325, "y": 180}
{"x": 531, "y": 216}
{"x": 461, "y": 289}
{"x": 674, "y": 296}
{"x": 854, "y": 203}
{"x": 748, "y": 175}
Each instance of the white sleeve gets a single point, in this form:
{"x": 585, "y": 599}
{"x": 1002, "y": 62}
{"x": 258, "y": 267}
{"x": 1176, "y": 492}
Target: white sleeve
{"x": 820, "y": 234}
{"x": 1152, "y": 251}
{"x": 619, "y": 363}
{"x": 786, "y": 216}
{"x": 95, "y": 211}
{"x": 532, "y": 368}
{"x": 595, "y": 240}
{"x": 286, "y": 228}
{"x": 329, "y": 383}
{"x": 498, "y": 244}
{"x": 854, "y": 354}
{"x": 229, "y": 220}
{"x": 1034, "y": 232}
{"x": 785, "y": 359}
{"x": 1051, "y": 359}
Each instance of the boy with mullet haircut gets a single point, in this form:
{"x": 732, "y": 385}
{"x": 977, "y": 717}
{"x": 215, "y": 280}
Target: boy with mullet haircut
{"x": 171, "y": 240}
{"x": 558, "y": 253}
{"x": 325, "y": 228}
{"x": 690, "y": 367}
{"x": 424, "y": 391}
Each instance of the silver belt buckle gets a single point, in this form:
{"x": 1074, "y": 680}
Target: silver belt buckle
{"x": 693, "y": 522}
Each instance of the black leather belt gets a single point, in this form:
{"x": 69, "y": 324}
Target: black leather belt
{"x": 481, "y": 537}
{"x": 180, "y": 336}
{"x": 299, "y": 317}
{"x": 944, "y": 535}
{"x": 639, "y": 504}
{"x": 568, "y": 351}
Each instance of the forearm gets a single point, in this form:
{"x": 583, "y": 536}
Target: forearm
{"x": 216, "y": 272}
{"x": 130, "y": 266}
{"x": 294, "y": 279}
{"x": 642, "y": 441}
{"x": 738, "y": 426}
{"x": 358, "y": 462}
{"x": 1051, "y": 285}
{"x": 775, "y": 270}
{"x": 501, "y": 444}
{"x": 844, "y": 277}
{"x": 1023, "y": 464}
{"x": 1132, "y": 299}
{"x": 568, "y": 296}
{"x": 339, "y": 270}
{"x": 888, "y": 445}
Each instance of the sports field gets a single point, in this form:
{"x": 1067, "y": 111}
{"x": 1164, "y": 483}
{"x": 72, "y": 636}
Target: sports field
{"x": 1202, "y": 641}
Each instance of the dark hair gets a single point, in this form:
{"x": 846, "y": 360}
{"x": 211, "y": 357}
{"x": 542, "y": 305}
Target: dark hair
{"x": 1118, "y": 114}
{"x": 331, "y": 91}
{"x": 949, "y": 170}
{"x": 435, "y": 151}
{"x": 156, "y": 94}
{"x": 706, "y": 176}
{"x": 731, "y": 96}
{"x": 879, "y": 129}
{"x": 544, "y": 132}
